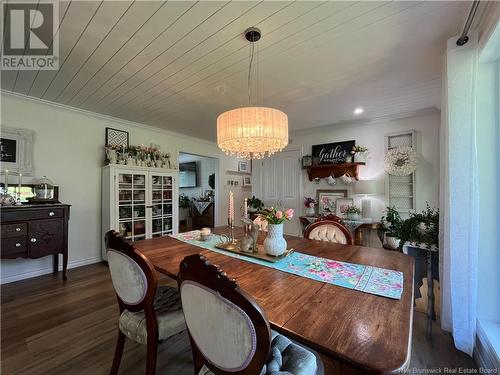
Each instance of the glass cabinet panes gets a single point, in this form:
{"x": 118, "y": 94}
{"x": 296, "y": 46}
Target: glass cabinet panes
{"x": 162, "y": 195}
{"x": 138, "y": 202}
{"x": 132, "y": 205}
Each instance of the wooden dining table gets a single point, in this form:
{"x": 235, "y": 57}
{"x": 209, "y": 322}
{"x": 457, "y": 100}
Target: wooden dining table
{"x": 354, "y": 332}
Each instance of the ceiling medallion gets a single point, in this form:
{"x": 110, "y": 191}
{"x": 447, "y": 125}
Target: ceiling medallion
{"x": 252, "y": 132}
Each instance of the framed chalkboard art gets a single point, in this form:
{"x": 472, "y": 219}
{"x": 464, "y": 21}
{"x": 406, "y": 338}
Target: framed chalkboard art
{"x": 16, "y": 150}
{"x": 332, "y": 153}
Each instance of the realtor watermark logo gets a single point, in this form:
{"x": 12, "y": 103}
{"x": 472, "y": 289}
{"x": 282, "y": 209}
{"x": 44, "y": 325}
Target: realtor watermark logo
{"x": 30, "y": 38}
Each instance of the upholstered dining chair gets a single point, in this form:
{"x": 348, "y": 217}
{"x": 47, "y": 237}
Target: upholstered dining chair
{"x": 148, "y": 313}
{"x": 229, "y": 331}
{"x": 329, "y": 230}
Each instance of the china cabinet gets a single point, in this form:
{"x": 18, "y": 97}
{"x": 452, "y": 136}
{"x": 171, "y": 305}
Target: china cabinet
{"x": 139, "y": 202}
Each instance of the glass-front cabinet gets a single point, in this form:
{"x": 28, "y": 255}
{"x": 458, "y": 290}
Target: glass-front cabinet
{"x": 139, "y": 202}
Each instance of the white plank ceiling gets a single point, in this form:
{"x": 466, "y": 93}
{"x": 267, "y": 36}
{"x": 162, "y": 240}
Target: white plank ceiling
{"x": 178, "y": 64}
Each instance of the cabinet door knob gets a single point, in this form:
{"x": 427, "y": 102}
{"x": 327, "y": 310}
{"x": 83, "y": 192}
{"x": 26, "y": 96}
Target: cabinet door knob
{"x": 33, "y": 240}
{"x": 18, "y": 229}
{"x": 18, "y": 244}
{"x": 51, "y": 213}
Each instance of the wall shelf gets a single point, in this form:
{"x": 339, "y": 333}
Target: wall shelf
{"x": 337, "y": 170}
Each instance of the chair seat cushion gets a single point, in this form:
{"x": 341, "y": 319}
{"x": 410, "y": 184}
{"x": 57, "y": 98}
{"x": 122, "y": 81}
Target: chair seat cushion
{"x": 285, "y": 358}
{"x": 168, "y": 315}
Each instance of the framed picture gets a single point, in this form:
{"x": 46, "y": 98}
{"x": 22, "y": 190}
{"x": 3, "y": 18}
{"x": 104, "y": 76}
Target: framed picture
{"x": 327, "y": 200}
{"x": 16, "y": 150}
{"x": 116, "y": 137}
{"x": 247, "y": 181}
{"x": 244, "y": 166}
{"x": 341, "y": 204}
{"x": 307, "y": 161}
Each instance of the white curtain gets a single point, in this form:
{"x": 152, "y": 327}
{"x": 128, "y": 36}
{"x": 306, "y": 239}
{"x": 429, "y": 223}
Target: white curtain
{"x": 459, "y": 194}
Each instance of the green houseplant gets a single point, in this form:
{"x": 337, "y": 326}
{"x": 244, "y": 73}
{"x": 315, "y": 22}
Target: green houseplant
{"x": 391, "y": 227}
{"x": 352, "y": 213}
{"x": 421, "y": 228}
{"x": 255, "y": 204}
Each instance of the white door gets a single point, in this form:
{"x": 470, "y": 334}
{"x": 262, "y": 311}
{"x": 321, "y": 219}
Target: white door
{"x": 281, "y": 178}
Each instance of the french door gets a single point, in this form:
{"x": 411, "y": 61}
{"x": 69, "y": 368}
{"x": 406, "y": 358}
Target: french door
{"x": 281, "y": 185}
{"x": 145, "y": 206}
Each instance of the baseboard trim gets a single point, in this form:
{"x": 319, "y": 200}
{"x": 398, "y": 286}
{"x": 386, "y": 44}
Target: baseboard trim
{"x": 485, "y": 355}
{"x": 44, "y": 271}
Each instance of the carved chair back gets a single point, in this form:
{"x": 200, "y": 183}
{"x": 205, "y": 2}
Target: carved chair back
{"x": 328, "y": 230}
{"x": 133, "y": 276}
{"x": 330, "y": 217}
{"x": 229, "y": 332}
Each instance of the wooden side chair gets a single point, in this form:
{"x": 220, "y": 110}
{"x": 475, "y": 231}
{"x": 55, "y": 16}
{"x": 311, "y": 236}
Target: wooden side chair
{"x": 148, "y": 313}
{"x": 329, "y": 230}
{"x": 229, "y": 331}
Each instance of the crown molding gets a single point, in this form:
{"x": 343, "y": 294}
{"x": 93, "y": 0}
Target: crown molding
{"x": 104, "y": 117}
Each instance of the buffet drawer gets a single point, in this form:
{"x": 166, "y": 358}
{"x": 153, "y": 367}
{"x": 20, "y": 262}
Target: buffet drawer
{"x": 15, "y": 247}
{"x": 23, "y": 214}
{"x": 14, "y": 230}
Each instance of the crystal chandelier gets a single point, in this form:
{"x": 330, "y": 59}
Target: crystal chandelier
{"x": 252, "y": 132}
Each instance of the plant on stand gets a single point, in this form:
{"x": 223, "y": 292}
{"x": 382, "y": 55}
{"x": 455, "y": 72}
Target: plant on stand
{"x": 254, "y": 204}
{"x": 421, "y": 229}
{"x": 360, "y": 154}
{"x": 275, "y": 243}
{"x": 309, "y": 204}
{"x": 391, "y": 226}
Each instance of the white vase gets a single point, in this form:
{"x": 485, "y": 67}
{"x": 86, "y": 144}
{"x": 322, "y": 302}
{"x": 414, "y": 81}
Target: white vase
{"x": 275, "y": 244}
{"x": 392, "y": 242}
{"x": 309, "y": 211}
{"x": 353, "y": 217}
{"x": 112, "y": 156}
{"x": 360, "y": 157}
{"x": 131, "y": 161}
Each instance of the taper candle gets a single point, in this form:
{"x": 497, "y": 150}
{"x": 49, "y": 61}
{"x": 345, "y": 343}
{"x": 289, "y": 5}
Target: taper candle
{"x": 6, "y": 180}
{"x": 230, "y": 208}
{"x": 245, "y": 208}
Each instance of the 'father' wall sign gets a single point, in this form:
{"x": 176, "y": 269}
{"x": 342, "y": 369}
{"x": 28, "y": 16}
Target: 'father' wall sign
{"x": 333, "y": 153}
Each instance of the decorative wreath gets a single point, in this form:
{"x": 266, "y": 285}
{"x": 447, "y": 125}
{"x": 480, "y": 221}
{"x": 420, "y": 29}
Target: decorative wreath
{"x": 401, "y": 161}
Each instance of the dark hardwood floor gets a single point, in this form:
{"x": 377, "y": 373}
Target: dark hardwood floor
{"x": 52, "y": 327}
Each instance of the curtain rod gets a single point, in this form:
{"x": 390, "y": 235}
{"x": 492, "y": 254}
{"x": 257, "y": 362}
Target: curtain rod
{"x": 463, "y": 37}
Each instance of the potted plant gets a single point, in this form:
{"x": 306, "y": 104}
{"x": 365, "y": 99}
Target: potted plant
{"x": 391, "y": 226}
{"x": 309, "y": 204}
{"x": 184, "y": 206}
{"x": 275, "y": 243}
{"x": 352, "y": 213}
{"x": 254, "y": 204}
{"x": 360, "y": 154}
{"x": 421, "y": 228}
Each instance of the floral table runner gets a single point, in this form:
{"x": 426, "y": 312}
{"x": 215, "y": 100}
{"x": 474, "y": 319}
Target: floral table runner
{"x": 368, "y": 279}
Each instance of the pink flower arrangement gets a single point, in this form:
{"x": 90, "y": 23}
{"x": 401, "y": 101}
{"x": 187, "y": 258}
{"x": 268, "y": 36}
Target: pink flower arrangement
{"x": 309, "y": 202}
{"x": 275, "y": 216}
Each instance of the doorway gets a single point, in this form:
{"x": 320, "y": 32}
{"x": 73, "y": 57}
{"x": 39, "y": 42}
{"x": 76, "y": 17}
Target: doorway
{"x": 198, "y": 177}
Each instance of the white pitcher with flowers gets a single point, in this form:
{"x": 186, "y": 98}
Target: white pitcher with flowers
{"x": 275, "y": 244}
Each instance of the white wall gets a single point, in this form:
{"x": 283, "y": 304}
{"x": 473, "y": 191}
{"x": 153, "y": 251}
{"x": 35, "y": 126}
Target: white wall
{"x": 68, "y": 148}
{"x": 371, "y": 135}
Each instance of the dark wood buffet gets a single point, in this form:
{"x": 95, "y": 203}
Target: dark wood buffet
{"x": 35, "y": 231}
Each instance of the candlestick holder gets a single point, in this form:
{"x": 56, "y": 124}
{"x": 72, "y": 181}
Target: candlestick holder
{"x": 231, "y": 230}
